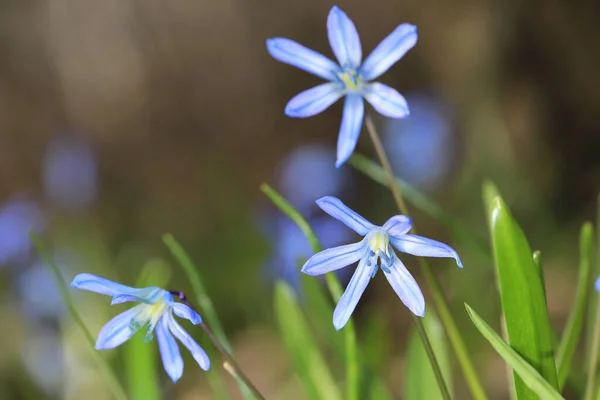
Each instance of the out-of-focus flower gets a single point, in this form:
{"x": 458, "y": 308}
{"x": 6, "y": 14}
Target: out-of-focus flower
{"x": 598, "y": 284}
{"x": 427, "y": 133}
{"x": 350, "y": 78}
{"x": 376, "y": 247}
{"x": 156, "y": 311}
{"x": 17, "y": 218}
{"x": 70, "y": 173}
{"x": 306, "y": 175}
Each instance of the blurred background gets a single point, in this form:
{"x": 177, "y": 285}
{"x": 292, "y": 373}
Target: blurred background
{"x": 124, "y": 119}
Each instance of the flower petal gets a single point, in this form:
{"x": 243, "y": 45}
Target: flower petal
{"x": 343, "y": 38}
{"x": 169, "y": 350}
{"x": 386, "y": 100}
{"x": 334, "y": 258}
{"x": 353, "y": 292}
{"x": 148, "y": 295}
{"x": 338, "y": 210}
{"x": 398, "y": 225}
{"x": 389, "y": 51}
{"x": 97, "y": 284}
{"x": 183, "y": 311}
{"x": 420, "y": 246}
{"x": 197, "y": 352}
{"x": 406, "y": 288}
{"x": 313, "y": 101}
{"x": 290, "y": 52}
{"x": 121, "y": 328}
{"x": 354, "y": 110}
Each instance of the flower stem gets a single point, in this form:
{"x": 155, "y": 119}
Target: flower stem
{"x": 436, "y": 291}
{"x": 230, "y": 365}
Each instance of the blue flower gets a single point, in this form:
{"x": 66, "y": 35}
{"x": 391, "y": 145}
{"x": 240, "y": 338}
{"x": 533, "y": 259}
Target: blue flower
{"x": 156, "y": 311}
{"x": 350, "y": 78}
{"x": 597, "y": 285}
{"x": 375, "y": 247}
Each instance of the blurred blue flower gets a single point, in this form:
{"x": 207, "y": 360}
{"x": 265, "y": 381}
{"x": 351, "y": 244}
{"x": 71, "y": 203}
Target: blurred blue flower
{"x": 375, "y": 247}
{"x": 41, "y": 297}
{"x": 17, "y": 217}
{"x": 598, "y": 284}
{"x": 70, "y": 173}
{"x": 156, "y": 311}
{"x": 427, "y": 133}
{"x": 350, "y": 78}
{"x": 306, "y": 175}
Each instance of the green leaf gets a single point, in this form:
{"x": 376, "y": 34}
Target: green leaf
{"x": 111, "y": 379}
{"x": 529, "y": 376}
{"x": 306, "y": 356}
{"x": 207, "y": 311}
{"x": 351, "y": 351}
{"x": 572, "y": 332}
{"x": 522, "y": 295}
{"x": 141, "y": 363}
{"x": 419, "y": 375}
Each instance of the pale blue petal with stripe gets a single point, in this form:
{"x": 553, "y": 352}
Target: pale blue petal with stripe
{"x": 293, "y": 53}
{"x": 386, "y": 100}
{"x": 169, "y": 350}
{"x": 406, "y": 288}
{"x": 148, "y": 295}
{"x": 180, "y": 334}
{"x": 423, "y": 247}
{"x": 343, "y": 38}
{"x": 315, "y": 100}
{"x": 398, "y": 225}
{"x": 97, "y": 284}
{"x": 389, "y": 51}
{"x": 338, "y": 210}
{"x": 352, "y": 118}
{"x": 335, "y": 258}
{"x": 185, "y": 312}
{"x": 354, "y": 290}
{"x": 122, "y": 327}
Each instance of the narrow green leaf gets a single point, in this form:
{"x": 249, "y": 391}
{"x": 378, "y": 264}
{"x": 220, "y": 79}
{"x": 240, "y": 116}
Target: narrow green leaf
{"x": 207, "y": 311}
{"x": 420, "y": 201}
{"x": 530, "y": 377}
{"x": 111, "y": 380}
{"x": 572, "y": 332}
{"x": 306, "y": 356}
{"x": 419, "y": 375}
{"x": 140, "y": 356}
{"x": 351, "y": 351}
{"x": 522, "y": 295}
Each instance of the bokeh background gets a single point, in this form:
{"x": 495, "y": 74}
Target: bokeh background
{"x": 124, "y": 119}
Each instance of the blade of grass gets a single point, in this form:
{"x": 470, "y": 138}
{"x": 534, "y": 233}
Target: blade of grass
{"x": 530, "y": 377}
{"x": 572, "y": 332}
{"x": 140, "y": 357}
{"x": 103, "y": 365}
{"x": 352, "y": 368}
{"x": 522, "y": 296}
{"x": 418, "y": 377}
{"x": 307, "y": 358}
{"x": 207, "y": 309}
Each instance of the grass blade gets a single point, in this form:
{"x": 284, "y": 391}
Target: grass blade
{"x": 522, "y": 296}
{"x": 207, "y": 310}
{"x": 351, "y": 351}
{"x": 572, "y": 332}
{"x": 529, "y": 375}
{"x": 103, "y": 365}
{"x": 418, "y": 378}
{"x": 306, "y": 356}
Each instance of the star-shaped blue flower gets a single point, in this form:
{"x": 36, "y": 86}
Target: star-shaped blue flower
{"x": 350, "y": 78}
{"x": 376, "y": 247}
{"x": 155, "y": 312}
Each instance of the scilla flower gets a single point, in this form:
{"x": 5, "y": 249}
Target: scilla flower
{"x": 374, "y": 251}
{"x": 155, "y": 313}
{"x": 350, "y": 78}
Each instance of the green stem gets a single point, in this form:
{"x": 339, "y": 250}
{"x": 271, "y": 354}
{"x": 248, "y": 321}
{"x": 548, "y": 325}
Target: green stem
{"x": 590, "y": 387}
{"x": 435, "y": 288}
{"x": 111, "y": 379}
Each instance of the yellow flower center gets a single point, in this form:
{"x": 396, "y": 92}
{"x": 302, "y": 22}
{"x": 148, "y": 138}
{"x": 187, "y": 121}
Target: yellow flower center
{"x": 351, "y": 79}
{"x": 379, "y": 242}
